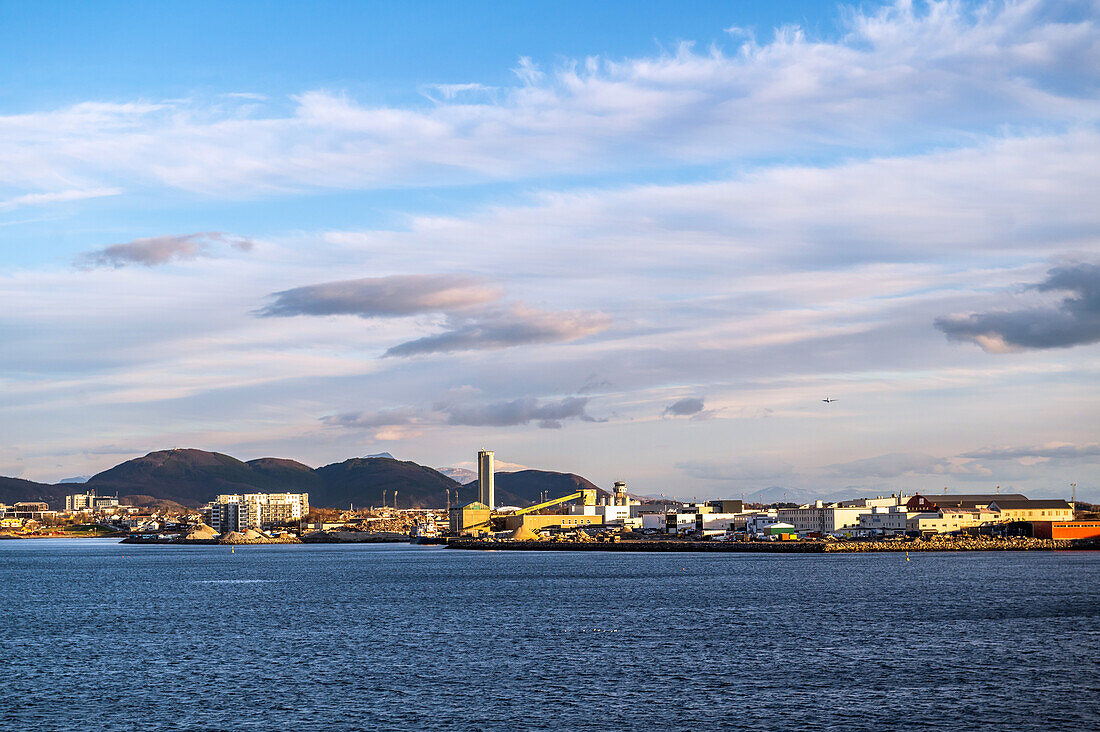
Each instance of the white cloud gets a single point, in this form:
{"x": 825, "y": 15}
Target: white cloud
{"x": 899, "y": 76}
{"x": 38, "y": 199}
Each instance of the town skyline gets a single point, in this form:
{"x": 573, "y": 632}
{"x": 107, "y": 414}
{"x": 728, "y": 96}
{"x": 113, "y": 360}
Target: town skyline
{"x": 630, "y": 245}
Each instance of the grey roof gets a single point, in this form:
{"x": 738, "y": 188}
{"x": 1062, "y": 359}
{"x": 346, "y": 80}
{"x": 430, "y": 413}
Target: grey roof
{"x": 1015, "y": 504}
{"x": 972, "y": 499}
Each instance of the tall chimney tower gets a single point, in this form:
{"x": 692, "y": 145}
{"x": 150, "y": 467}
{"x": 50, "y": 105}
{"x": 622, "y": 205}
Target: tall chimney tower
{"x": 485, "y": 492}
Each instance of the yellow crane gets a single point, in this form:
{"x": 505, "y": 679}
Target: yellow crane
{"x": 587, "y": 495}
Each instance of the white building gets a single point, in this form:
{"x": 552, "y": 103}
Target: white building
{"x": 89, "y": 502}
{"x": 885, "y": 520}
{"x": 621, "y": 510}
{"x": 255, "y": 510}
{"x": 707, "y": 524}
{"x": 950, "y": 519}
{"x": 822, "y": 519}
{"x": 757, "y": 522}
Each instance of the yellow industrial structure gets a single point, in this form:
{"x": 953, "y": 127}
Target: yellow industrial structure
{"x": 476, "y": 518}
{"x": 470, "y": 520}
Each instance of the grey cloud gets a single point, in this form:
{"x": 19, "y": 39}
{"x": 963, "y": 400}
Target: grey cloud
{"x": 684, "y": 407}
{"x": 394, "y": 417}
{"x": 548, "y": 414}
{"x": 1051, "y": 452}
{"x": 158, "y": 250}
{"x": 594, "y": 383}
{"x": 1073, "y": 322}
{"x": 515, "y": 326}
{"x": 370, "y": 297}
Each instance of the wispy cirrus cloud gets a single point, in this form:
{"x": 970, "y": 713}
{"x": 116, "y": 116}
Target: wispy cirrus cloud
{"x": 38, "y": 199}
{"x": 1052, "y": 451}
{"x": 158, "y": 250}
{"x": 1074, "y": 321}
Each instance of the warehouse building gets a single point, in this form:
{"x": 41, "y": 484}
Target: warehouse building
{"x": 471, "y": 519}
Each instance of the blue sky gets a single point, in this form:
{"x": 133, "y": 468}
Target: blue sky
{"x": 635, "y": 241}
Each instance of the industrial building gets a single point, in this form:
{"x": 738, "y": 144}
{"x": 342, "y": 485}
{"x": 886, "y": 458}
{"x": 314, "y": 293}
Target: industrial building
{"x": 618, "y": 511}
{"x": 485, "y": 480}
{"x": 470, "y": 519}
{"x": 1023, "y": 509}
{"x": 1065, "y": 529}
{"x": 929, "y": 504}
{"x": 480, "y": 516}
{"x": 528, "y": 524}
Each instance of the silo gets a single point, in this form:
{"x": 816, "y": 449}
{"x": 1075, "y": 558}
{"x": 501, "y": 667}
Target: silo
{"x": 485, "y": 492}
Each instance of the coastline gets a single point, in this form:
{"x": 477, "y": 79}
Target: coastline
{"x": 816, "y": 547}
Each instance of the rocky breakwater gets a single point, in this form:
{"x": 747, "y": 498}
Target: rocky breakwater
{"x": 203, "y": 534}
{"x": 945, "y": 544}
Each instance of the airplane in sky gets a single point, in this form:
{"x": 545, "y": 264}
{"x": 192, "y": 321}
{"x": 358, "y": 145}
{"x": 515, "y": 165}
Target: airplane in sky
{"x": 827, "y": 400}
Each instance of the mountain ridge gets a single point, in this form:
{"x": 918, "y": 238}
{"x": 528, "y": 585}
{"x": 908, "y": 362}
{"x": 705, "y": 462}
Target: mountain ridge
{"x": 192, "y": 477}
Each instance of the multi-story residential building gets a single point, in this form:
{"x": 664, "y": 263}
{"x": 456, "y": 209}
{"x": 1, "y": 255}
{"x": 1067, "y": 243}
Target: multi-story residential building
{"x": 884, "y": 520}
{"x": 240, "y": 512}
{"x": 822, "y": 519}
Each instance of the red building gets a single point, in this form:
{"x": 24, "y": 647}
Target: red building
{"x": 1065, "y": 529}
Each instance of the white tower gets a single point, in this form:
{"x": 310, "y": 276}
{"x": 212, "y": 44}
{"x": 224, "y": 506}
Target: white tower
{"x": 485, "y": 478}
{"x": 620, "y": 494}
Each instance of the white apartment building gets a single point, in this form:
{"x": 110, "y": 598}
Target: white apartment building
{"x": 240, "y": 512}
{"x": 884, "y": 520}
{"x": 822, "y": 519}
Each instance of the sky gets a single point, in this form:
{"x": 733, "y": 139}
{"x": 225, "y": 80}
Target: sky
{"x": 636, "y": 241}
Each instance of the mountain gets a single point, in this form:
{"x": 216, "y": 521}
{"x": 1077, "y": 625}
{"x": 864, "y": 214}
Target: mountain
{"x": 290, "y": 475}
{"x": 462, "y": 475}
{"x": 362, "y": 481}
{"x": 14, "y": 490}
{"x": 193, "y": 477}
{"x": 76, "y": 479}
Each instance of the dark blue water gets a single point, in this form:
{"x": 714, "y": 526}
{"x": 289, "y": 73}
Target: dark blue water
{"x": 97, "y": 635}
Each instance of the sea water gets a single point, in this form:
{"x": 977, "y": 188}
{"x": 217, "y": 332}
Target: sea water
{"x": 107, "y": 636}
